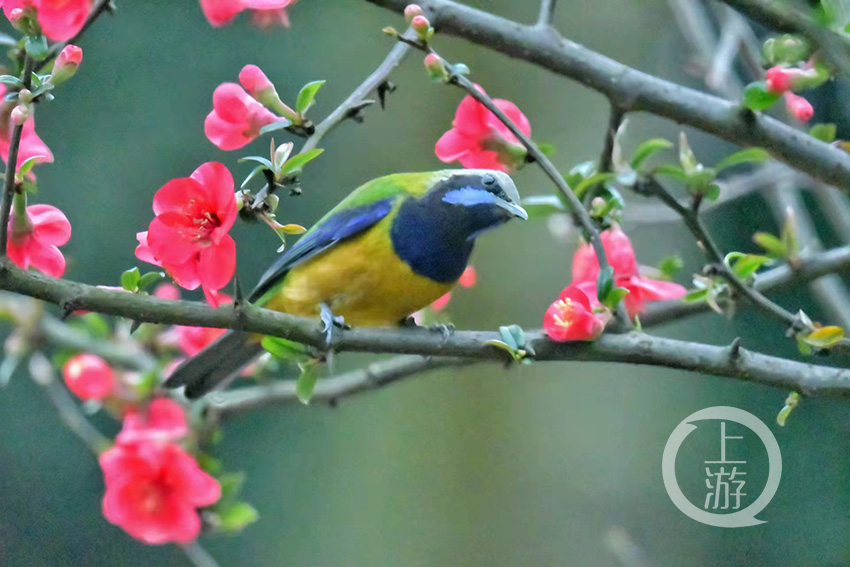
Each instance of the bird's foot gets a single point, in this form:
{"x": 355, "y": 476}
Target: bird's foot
{"x": 447, "y": 330}
{"x": 329, "y": 321}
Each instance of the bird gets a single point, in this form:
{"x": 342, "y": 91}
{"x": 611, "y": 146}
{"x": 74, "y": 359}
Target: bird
{"x": 391, "y": 247}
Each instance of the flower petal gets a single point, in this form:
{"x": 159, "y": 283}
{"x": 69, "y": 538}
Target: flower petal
{"x": 51, "y": 226}
{"x": 217, "y": 264}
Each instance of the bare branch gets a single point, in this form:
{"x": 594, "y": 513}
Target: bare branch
{"x": 547, "y": 12}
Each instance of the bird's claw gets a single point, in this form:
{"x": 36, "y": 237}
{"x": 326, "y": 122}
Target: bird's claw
{"x": 447, "y": 330}
{"x": 329, "y": 321}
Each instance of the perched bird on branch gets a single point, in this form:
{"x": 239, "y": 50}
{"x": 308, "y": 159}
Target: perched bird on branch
{"x": 390, "y": 248}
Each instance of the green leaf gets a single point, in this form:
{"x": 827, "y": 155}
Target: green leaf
{"x": 7, "y": 40}
{"x": 518, "y": 334}
{"x": 306, "y": 382}
{"x": 579, "y": 172}
{"x": 236, "y": 516}
{"x": 275, "y": 126}
{"x": 588, "y": 182}
{"x": 130, "y": 279}
{"x": 258, "y": 159}
{"x": 745, "y": 265}
{"x": 824, "y": 337}
{"x": 508, "y": 338}
{"x": 254, "y": 173}
{"x": 673, "y": 171}
{"x": 647, "y": 149}
{"x": 95, "y": 325}
{"x": 616, "y": 295}
{"x": 36, "y": 47}
{"x": 231, "y": 485}
{"x": 284, "y": 349}
{"x": 542, "y": 205}
{"x": 27, "y": 166}
{"x": 712, "y": 192}
{"x": 773, "y": 245}
{"x": 757, "y": 97}
{"x": 208, "y": 463}
{"x": 823, "y": 132}
{"x": 306, "y": 96}
{"x": 669, "y": 266}
{"x": 546, "y": 149}
{"x": 744, "y": 156}
{"x": 150, "y": 279}
{"x": 791, "y": 402}
{"x": 696, "y": 296}
{"x": 790, "y": 49}
{"x": 604, "y": 284}
{"x": 687, "y": 159}
{"x": 298, "y": 161}
{"x": 11, "y": 81}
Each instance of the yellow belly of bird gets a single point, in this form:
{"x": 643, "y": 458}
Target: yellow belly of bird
{"x": 361, "y": 279}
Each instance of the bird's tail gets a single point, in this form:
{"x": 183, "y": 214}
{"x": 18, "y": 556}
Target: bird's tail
{"x": 217, "y": 362}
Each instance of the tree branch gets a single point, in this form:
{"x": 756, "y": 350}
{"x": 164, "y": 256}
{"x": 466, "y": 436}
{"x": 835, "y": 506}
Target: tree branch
{"x": 331, "y": 389}
{"x": 632, "y": 90}
{"x": 547, "y": 12}
{"x": 633, "y": 348}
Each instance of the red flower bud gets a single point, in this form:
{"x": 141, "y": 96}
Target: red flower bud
{"x": 66, "y": 64}
{"x": 421, "y": 26}
{"x": 778, "y": 80}
{"x": 20, "y": 114}
{"x": 799, "y": 107}
{"x": 412, "y": 11}
{"x": 89, "y": 377}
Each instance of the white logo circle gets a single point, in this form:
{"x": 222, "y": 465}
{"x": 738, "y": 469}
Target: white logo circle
{"x": 741, "y": 518}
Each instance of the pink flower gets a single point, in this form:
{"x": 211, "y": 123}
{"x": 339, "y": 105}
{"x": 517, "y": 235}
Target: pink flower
{"x": 236, "y": 118}
{"x": 266, "y": 12}
{"x": 167, "y": 291}
{"x": 153, "y": 491}
{"x": 621, "y": 256}
{"x": 778, "y": 80}
{"x": 571, "y": 317}
{"x": 479, "y": 140}
{"x": 162, "y": 420}
{"x": 89, "y": 377}
{"x": 34, "y": 239}
{"x": 189, "y": 236}
{"x": 60, "y": 20}
{"x": 66, "y": 65}
{"x": 194, "y": 339}
{"x": 799, "y": 107}
{"x": 467, "y": 279}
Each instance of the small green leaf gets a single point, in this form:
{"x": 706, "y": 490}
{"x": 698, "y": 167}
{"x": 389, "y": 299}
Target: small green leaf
{"x": 791, "y": 402}
{"x": 150, "y": 279}
{"x": 7, "y": 40}
{"x": 773, "y": 245}
{"x": 27, "y": 166}
{"x": 236, "y": 516}
{"x": 824, "y": 337}
{"x": 94, "y": 324}
{"x": 306, "y": 96}
{"x": 231, "y": 485}
{"x": 616, "y": 295}
{"x": 588, "y": 182}
{"x": 696, "y": 296}
{"x": 11, "y": 81}
{"x": 757, "y": 97}
{"x": 284, "y": 349}
{"x": 744, "y": 156}
{"x": 518, "y": 334}
{"x": 254, "y": 173}
{"x": 306, "y": 382}
{"x": 790, "y": 49}
{"x": 275, "y": 126}
{"x": 579, "y": 172}
{"x": 508, "y": 338}
{"x": 687, "y": 159}
{"x": 673, "y": 171}
{"x": 546, "y": 149}
{"x": 130, "y": 279}
{"x": 36, "y": 47}
{"x": 298, "y": 161}
{"x": 669, "y": 266}
{"x": 647, "y": 149}
{"x": 745, "y": 265}
{"x": 823, "y": 132}
{"x": 258, "y": 159}
{"x": 712, "y": 192}
{"x": 208, "y": 463}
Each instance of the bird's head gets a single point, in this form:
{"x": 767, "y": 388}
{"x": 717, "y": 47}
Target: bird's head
{"x": 478, "y": 198}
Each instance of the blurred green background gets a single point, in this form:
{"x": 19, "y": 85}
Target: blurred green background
{"x": 543, "y": 465}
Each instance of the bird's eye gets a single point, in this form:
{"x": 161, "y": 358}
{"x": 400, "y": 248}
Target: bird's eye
{"x": 488, "y": 180}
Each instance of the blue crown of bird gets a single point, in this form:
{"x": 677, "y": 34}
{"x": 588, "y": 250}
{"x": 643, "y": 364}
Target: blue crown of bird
{"x": 390, "y": 248}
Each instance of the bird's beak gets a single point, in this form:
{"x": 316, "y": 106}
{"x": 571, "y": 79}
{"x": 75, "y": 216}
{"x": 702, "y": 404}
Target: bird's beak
{"x": 512, "y": 208}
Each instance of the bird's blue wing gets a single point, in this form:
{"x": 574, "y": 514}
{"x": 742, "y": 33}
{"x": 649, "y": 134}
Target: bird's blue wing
{"x": 338, "y": 226}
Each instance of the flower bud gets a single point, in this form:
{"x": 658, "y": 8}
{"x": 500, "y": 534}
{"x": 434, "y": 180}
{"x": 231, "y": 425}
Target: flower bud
{"x": 262, "y": 89}
{"x": 25, "y": 96}
{"x": 799, "y": 107}
{"x": 281, "y": 154}
{"x": 412, "y": 11}
{"x": 20, "y": 114}
{"x": 778, "y": 80}
{"x": 67, "y": 63}
{"x": 436, "y": 67}
{"x": 422, "y": 27}
{"x": 20, "y": 20}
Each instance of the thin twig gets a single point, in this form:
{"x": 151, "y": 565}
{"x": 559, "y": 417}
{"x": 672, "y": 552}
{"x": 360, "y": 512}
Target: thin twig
{"x": 100, "y": 8}
{"x": 615, "y": 119}
{"x": 332, "y": 389}
{"x": 199, "y": 556}
{"x": 12, "y": 166}
{"x": 632, "y": 90}
{"x": 547, "y": 12}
